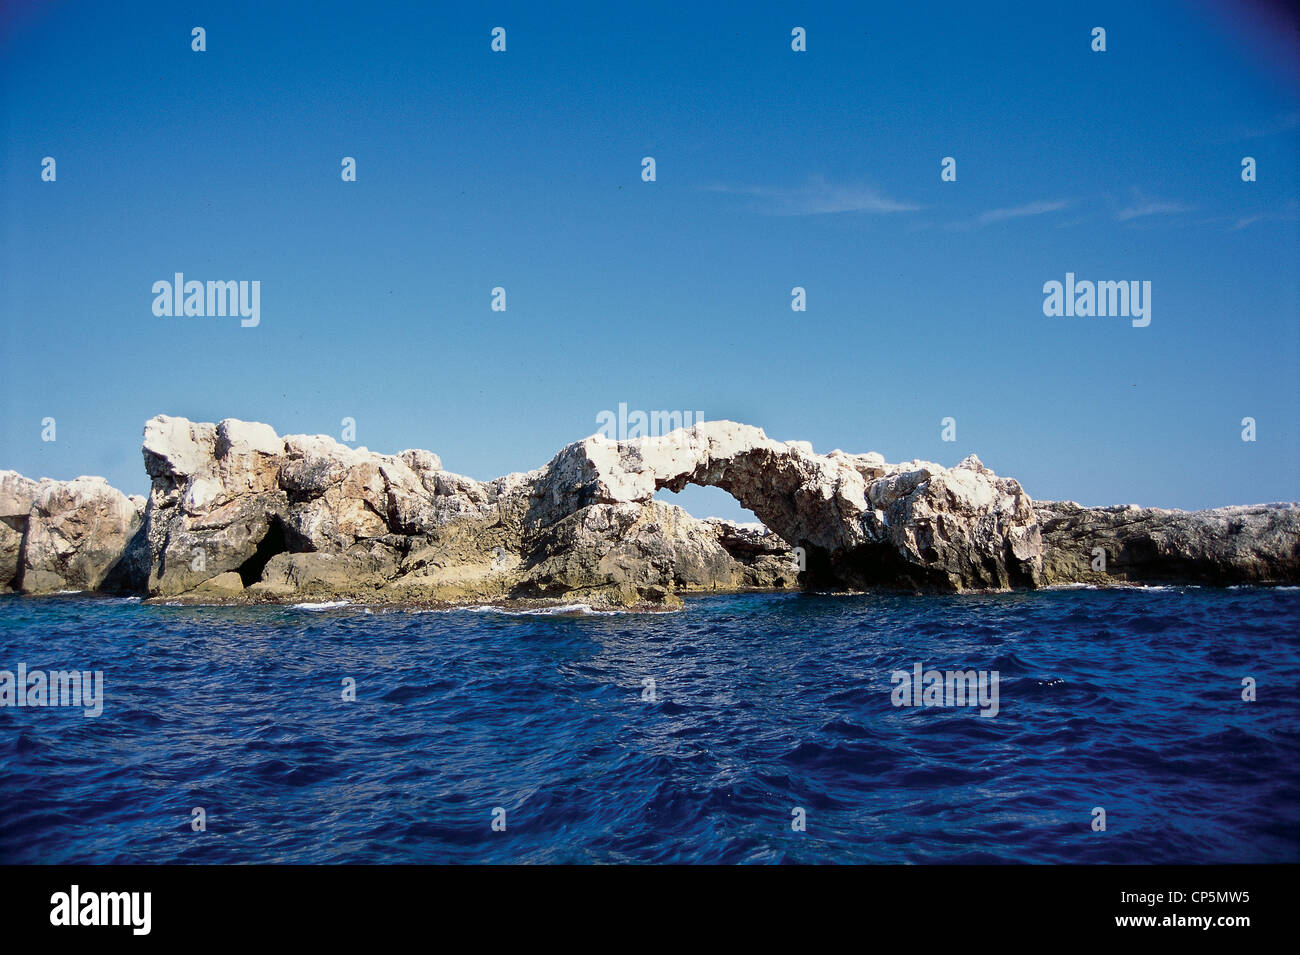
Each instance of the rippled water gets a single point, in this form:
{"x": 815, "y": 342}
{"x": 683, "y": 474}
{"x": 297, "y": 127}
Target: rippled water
{"x": 1127, "y": 699}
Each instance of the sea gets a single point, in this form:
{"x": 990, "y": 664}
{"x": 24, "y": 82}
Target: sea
{"x": 1131, "y": 725}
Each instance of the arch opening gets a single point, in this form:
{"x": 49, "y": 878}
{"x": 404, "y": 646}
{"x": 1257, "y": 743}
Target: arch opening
{"x": 704, "y": 501}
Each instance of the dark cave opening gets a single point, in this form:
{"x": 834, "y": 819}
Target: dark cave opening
{"x": 272, "y": 543}
{"x": 17, "y": 524}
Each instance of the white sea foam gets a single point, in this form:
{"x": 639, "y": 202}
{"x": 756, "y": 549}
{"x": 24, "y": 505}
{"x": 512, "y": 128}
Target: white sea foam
{"x": 575, "y": 609}
{"x": 1149, "y": 588}
{"x": 328, "y": 605}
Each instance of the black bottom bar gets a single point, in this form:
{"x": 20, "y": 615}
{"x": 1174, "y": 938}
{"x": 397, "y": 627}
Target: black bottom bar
{"x": 337, "y": 904}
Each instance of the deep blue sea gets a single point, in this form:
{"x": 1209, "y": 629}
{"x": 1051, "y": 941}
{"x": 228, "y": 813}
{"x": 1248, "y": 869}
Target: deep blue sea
{"x": 1128, "y": 700}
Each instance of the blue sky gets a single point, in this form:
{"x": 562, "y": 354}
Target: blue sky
{"x": 775, "y": 169}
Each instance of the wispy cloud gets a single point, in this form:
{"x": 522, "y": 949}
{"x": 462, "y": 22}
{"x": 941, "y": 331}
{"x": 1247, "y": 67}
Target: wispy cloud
{"x": 1145, "y": 209}
{"x": 1279, "y": 124}
{"x": 1020, "y": 212}
{"x": 1290, "y": 212}
{"x": 1143, "y": 205}
{"x": 817, "y": 197}
{"x": 990, "y": 216}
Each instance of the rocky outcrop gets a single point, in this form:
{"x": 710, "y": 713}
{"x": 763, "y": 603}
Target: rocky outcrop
{"x": 67, "y": 535}
{"x": 304, "y": 515}
{"x": 861, "y": 522}
{"x": 1256, "y": 544}
{"x": 237, "y": 512}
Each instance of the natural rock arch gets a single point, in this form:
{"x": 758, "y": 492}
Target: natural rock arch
{"x": 861, "y": 521}
{"x": 237, "y": 512}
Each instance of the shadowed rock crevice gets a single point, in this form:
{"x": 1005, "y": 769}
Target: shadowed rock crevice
{"x": 13, "y": 537}
{"x": 129, "y": 574}
{"x": 271, "y": 544}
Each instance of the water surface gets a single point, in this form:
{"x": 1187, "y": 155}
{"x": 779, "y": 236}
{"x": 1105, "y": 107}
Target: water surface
{"x": 1125, "y": 699}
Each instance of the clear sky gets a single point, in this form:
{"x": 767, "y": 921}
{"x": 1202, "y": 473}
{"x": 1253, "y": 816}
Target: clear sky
{"x": 775, "y": 169}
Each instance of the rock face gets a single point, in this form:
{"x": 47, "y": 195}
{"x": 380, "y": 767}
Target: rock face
{"x": 861, "y": 522}
{"x": 67, "y": 535}
{"x": 237, "y": 512}
{"x": 1227, "y": 545}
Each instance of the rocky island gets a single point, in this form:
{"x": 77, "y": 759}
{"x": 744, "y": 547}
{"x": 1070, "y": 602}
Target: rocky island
{"x": 239, "y": 514}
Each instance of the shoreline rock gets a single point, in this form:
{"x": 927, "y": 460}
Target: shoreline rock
{"x": 1242, "y": 544}
{"x": 239, "y": 514}
{"x": 67, "y": 535}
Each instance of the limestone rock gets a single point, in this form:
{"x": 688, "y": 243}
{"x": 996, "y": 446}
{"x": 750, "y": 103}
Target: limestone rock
{"x": 1227, "y": 545}
{"x": 238, "y": 513}
{"x": 304, "y": 515}
{"x": 66, "y": 535}
{"x": 228, "y": 584}
{"x": 861, "y": 521}
{"x": 16, "y": 496}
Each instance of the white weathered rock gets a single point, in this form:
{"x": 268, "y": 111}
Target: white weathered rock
{"x": 916, "y": 524}
{"x": 586, "y": 522}
{"x": 238, "y": 512}
{"x": 65, "y": 535}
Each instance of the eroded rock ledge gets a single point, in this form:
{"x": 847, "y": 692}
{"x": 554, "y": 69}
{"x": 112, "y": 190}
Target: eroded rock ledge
{"x": 239, "y": 513}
